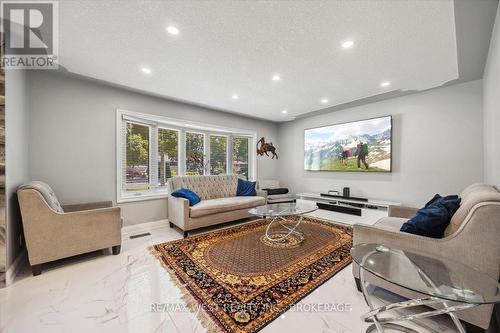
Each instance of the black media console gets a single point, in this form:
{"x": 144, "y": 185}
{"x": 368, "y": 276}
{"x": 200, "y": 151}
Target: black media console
{"x": 339, "y": 208}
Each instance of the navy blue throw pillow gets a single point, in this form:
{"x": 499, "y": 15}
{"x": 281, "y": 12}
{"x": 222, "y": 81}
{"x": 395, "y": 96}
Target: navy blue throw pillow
{"x": 187, "y": 194}
{"x": 432, "y": 220}
{"x": 245, "y": 188}
{"x": 436, "y": 197}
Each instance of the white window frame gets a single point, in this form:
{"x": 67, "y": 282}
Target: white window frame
{"x": 182, "y": 126}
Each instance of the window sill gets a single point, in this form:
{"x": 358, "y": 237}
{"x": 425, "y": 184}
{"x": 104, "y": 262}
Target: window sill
{"x": 134, "y": 197}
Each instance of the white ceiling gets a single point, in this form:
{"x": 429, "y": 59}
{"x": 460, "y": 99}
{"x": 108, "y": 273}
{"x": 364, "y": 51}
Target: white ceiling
{"x": 230, "y": 47}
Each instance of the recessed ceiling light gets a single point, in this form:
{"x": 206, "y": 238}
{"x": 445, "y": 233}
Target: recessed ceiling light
{"x": 235, "y": 96}
{"x": 324, "y": 101}
{"x": 146, "y": 70}
{"x": 172, "y": 30}
{"x": 284, "y": 111}
{"x": 385, "y": 84}
{"x": 347, "y": 44}
{"x": 276, "y": 77}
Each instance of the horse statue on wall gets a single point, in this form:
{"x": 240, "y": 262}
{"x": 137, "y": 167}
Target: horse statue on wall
{"x": 265, "y": 148}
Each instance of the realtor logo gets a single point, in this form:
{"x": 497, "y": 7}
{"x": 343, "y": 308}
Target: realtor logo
{"x": 29, "y": 34}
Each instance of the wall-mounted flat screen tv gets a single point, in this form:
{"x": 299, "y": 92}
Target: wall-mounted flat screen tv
{"x": 360, "y": 146}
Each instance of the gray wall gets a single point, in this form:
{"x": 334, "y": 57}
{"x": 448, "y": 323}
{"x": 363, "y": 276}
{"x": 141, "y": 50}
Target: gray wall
{"x": 17, "y": 136}
{"x": 491, "y": 86}
{"x": 73, "y": 141}
{"x": 437, "y": 142}
{"x": 437, "y": 146}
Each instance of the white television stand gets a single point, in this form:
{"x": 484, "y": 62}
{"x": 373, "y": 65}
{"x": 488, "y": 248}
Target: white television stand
{"x": 351, "y": 206}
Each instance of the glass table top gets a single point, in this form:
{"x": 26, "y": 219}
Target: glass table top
{"x": 433, "y": 276}
{"x": 283, "y": 209}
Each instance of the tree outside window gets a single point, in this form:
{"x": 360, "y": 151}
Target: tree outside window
{"x": 218, "y": 154}
{"x": 168, "y": 152}
{"x": 240, "y": 156}
{"x": 137, "y": 156}
{"x": 195, "y": 154}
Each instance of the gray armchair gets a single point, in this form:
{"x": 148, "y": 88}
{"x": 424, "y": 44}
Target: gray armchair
{"x": 471, "y": 238}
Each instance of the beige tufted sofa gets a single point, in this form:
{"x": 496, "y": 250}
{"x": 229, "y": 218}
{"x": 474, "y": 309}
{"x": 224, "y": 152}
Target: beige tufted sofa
{"x": 472, "y": 238}
{"x": 218, "y": 204}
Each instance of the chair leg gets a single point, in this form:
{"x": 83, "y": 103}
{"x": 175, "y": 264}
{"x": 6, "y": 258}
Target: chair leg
{"x": 358, "y": 283}
{"x": 171, "y": 224}
{"x": 185, "y": 234}
{"x": 36, "y": 269}
{"x": 116, "y": 249}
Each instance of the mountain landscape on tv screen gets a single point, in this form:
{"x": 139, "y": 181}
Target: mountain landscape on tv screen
{"x": 337, "y": 147}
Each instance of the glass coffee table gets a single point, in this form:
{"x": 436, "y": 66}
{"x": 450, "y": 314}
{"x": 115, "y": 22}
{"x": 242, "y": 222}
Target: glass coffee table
{"x": 280, "y": 225}
{"x": 450, "y": 284}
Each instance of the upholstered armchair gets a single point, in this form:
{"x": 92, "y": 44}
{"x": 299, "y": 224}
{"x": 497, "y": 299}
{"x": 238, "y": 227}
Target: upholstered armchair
{"x": 472, "y": 238}
{"x": 54, "y": 232}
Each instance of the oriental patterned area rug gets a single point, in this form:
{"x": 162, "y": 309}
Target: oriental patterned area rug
{"x": 242, "y": 282}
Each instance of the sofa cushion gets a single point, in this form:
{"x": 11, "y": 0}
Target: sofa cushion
{"x": 214, "y": 206}
{"x": 46, "y": 192}
{"x": 431, "y": 221}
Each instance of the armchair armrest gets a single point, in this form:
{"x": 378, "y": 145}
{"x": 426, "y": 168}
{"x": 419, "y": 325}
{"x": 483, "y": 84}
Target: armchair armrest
{"x": 178, "y": 211}
{"x": 261, "y": 193}
{"x": 364, "y": 233}
{"x": 94, "y": 215}
{"x": 402, "y": 211}
{"x": 71, "y": 233}
{"x": 87, "y": 206}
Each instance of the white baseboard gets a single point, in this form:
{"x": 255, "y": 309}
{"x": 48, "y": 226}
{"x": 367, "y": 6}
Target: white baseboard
{"x": 17, "y": 265}
{"x": 143, "y": 227}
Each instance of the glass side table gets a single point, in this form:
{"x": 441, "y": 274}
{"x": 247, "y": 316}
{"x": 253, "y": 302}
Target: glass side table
{"x": 277, "y": 214}
{"x": 453, "y": 285}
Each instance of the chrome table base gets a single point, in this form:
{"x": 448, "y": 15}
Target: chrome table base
{"x": 380, "y": 323}
{"x": 287, "y": 231}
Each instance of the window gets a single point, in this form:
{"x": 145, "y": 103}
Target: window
{"x": 168, "y": 154}
{"x": 151, "y": 149}
{"x": 240, "y": 156}
{"x": 218, "y": 154}
{"x": 137, "y": 157}
{"x": 195, "y": 154}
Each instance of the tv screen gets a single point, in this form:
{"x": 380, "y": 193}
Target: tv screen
{"x": 360, "y": 146}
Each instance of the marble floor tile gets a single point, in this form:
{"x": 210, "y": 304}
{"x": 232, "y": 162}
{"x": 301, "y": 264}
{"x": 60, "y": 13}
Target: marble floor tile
{"x": 99, "y": 292}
